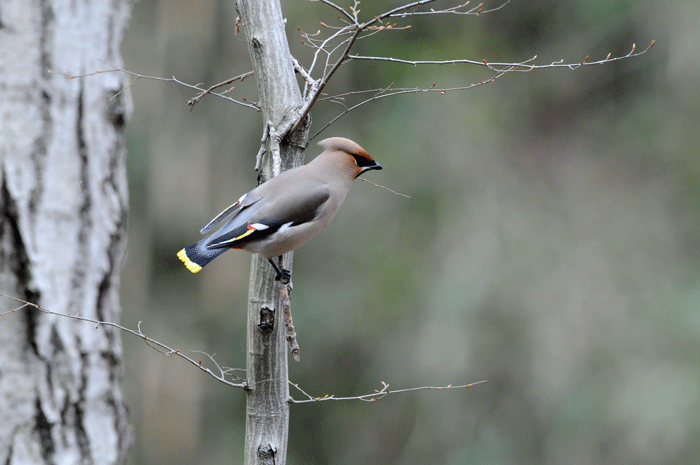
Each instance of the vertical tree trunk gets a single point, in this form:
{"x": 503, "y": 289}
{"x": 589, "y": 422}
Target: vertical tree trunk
{"x": 63, "y": 195}
{"x": 267, "y": 412}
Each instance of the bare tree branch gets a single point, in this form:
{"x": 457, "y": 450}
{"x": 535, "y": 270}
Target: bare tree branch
{"x": 346, "y": 36}
{"x": 391, "y": 91}
{"x": 377, "y": 394}
{"x": 354, "y": 30}
{"x": 136, "y": 77}
{"x": 152, "y": 343}
{"x": 194, "y": 100}
{"x": 384, "y": 187}
{"x": 499, "y": 68}
{"x": 226, "y": 371}
{"x": 524, "y": 66}
{"x": 358, "y": 28}
{"x": 475, "y": 11}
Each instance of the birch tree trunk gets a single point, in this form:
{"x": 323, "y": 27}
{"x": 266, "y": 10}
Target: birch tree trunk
{"x": 63, "y": 195}
{"x": 267, "y": 412}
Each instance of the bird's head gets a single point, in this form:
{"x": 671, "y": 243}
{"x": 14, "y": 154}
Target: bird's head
{"x": 349, "y": 156}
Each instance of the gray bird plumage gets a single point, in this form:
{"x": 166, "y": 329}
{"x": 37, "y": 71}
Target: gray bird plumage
{"x": 286, "y": 211}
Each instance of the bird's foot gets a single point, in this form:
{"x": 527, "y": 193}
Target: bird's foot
{"x": 283, "y": 275}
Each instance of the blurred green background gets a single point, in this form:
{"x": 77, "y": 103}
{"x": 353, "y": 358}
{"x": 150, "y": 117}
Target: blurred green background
{"x": 550, "y": 245}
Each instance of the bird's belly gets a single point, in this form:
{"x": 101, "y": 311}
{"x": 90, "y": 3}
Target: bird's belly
{"x": 284, "y": 240}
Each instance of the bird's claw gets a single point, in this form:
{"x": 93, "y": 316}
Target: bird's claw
{"x": 284, "y": 276}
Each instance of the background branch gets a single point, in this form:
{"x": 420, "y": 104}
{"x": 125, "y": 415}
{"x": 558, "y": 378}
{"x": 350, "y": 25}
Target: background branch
{"x": 377, "y": 394}
{"x": 191, "y": 102}
{"x": 150, "y": 342}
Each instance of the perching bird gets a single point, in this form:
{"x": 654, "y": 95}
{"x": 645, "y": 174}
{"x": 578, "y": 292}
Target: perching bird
{"x": 286, "y": 211}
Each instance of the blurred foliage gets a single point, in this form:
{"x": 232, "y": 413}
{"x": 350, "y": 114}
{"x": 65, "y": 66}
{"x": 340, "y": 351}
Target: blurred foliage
{"x": 550, "y": 245}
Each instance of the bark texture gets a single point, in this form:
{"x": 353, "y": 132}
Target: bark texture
{"x": 63, "y": 195}
{"x": 267, "y": 413}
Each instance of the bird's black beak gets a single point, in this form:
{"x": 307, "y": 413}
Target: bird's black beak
{"x": 376, "y": 166}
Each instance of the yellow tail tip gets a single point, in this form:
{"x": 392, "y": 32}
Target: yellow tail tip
{"x": 192, "y": 266}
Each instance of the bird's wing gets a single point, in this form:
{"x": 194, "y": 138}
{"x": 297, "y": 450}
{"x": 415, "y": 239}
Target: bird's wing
{"x": 245, "y": 201}
{"x": 265, "y": 218}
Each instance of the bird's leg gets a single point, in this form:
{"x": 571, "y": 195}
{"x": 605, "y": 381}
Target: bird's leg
{"x": 282, "y": 274}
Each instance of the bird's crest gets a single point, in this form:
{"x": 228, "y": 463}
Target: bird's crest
{"x": 346, "y": 145}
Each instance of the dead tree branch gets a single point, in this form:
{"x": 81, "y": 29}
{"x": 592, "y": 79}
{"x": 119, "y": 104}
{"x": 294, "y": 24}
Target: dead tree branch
{"x": 376, "y": 395}
{"x": 150, "y": 342}
{"x": 194, "y": 100}
{"x": 334, "y": 50}
{"x": 136, "y": 76}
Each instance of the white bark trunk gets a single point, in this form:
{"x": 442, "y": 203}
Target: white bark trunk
{"x": 267, "y": 412}
{"x": 63, "y": 195}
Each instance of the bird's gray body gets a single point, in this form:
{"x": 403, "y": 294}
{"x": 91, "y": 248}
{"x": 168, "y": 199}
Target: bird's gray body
{"x": 286, "y": 211}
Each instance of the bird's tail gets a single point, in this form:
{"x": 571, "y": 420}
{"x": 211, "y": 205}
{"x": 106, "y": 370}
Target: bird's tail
{"x": 197, "y": 255}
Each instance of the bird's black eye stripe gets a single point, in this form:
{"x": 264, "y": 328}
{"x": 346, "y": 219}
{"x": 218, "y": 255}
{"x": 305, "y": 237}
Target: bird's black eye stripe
{"x": 363, "y": 161}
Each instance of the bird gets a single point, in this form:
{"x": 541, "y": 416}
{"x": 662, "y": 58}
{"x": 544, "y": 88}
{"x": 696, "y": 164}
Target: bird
{"x": 285, "y": 212}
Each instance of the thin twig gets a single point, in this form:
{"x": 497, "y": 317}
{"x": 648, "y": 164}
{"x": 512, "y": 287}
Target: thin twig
{"x": 116, "y": 69}
{"x": 358, "y": 28}
{"x": 355, "y": 28}
{"x": 313, "y": 95}
{"x": 194, "y": 100}
{"x": 341, "y": 10}
{"x": 509, "y": 67}
{"x": 390, "y": 91}
{"x": 475, "y": 11}
{"x": 383, "y": 187}
{"x": 377, "y": 394}
{"x": 152, "y": 343}
{"x": 499, "y": 68}
{"x": 223, "y": 371}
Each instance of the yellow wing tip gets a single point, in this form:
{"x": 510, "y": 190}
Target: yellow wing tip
{"x": 192, "y": 266}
